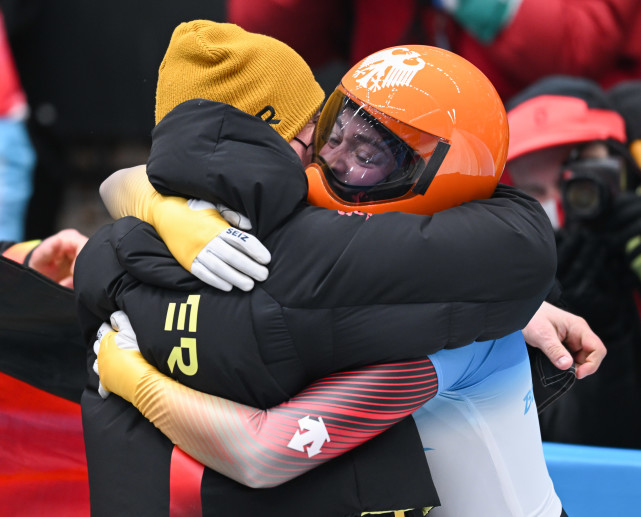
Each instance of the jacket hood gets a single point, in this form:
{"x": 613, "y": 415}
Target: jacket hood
{"x": 213, "y": 151}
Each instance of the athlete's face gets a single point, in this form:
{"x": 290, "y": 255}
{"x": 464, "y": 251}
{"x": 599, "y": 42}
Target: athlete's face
{"x": 356, "y": 152}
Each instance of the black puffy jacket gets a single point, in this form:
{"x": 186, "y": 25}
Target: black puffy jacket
{"x": 344, "y": 291}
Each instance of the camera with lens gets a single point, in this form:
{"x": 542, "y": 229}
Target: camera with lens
{"x": 589, "y": 188}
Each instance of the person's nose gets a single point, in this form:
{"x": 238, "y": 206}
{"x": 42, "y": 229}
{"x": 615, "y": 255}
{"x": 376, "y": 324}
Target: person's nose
{"x": 335, "y": 158}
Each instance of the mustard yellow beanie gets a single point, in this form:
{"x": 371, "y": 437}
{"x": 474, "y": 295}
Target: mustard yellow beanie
{"x": 255, "y": 73}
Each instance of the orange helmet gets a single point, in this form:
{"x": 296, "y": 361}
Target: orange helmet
{"x": 416, "y": 129}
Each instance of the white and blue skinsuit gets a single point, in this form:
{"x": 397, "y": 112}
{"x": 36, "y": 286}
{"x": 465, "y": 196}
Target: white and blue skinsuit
{"x": 481, "y": 433}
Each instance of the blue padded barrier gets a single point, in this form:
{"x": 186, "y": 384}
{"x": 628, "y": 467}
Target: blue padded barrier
{"x": 595, "y": 481}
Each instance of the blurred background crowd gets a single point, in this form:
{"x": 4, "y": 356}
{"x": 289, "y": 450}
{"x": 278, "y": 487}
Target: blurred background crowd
{"x": 89, "y": 73}
{"x": 89, "y": 70}
{"x": 77, "y": 90}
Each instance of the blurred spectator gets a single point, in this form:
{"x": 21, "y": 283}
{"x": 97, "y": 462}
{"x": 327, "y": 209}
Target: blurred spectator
{"x": 626, "y": 98}
{"x": 89, "y": 71}
{"x": 514, "y": 42}
{"x": 568, "y": 149}
{"x": 16, "y": 152}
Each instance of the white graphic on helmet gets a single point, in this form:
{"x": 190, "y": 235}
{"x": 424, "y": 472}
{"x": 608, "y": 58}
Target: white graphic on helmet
{"x": 391, "y": 67}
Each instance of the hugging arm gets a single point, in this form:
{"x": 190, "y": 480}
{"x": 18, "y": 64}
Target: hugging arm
{"x": 265, "y": 448}
{"x": 565, "y": 338}
{"x": 250, "y": 445}
{"x": 494, "y": 256}
{"x": 222, "y": 256}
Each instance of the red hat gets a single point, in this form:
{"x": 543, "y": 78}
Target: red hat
{"x": 551, "y": 120}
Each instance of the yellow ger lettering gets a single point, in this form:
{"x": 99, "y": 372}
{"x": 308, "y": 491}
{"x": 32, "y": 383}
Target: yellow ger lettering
{"x": 176, "y": 357}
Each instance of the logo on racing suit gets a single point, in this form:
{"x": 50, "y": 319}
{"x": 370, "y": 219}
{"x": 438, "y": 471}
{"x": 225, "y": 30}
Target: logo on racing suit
{"x": 389, "y": 68}
{"x": 314, "y": 438}
{"x": 528, "y": 399}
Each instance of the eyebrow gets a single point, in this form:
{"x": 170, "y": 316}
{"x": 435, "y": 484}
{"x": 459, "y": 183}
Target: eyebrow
{"x": 379, "y": 144}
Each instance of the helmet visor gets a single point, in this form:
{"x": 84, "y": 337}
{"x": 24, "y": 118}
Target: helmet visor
{"x": 364, "y": 161}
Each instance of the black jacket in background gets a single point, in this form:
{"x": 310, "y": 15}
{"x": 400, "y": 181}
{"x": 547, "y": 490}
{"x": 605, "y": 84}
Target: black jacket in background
{"x": 603, "y": 409}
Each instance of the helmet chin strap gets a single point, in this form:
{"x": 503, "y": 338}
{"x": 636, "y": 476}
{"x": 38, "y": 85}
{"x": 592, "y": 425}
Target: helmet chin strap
{"x": 431, "y": 168}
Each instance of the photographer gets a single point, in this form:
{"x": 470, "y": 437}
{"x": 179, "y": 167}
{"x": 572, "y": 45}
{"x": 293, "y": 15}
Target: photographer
{"x": 568, "y": 150}
{"x": 626, "y": 99}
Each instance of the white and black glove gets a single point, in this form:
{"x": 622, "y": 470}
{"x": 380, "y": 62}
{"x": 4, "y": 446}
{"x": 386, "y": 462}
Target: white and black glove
{"x": 233, "y": 258}
{"x": 125, "y": 339}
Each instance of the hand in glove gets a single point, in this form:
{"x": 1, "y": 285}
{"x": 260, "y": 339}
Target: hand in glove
{"x": 200, "y": 239}
{"x": 232, "y": 258}
{"x": 119, "y": 363}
